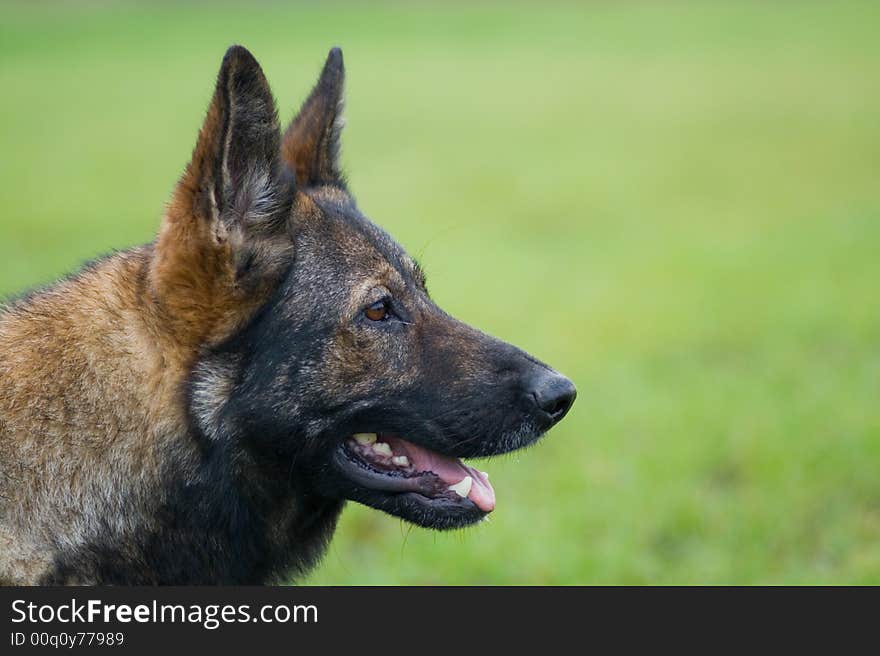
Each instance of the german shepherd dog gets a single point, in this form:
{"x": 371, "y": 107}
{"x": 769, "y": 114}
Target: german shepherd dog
{"x": 197, "y": 410}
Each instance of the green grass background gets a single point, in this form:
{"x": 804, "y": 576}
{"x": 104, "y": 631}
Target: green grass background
{"x": 676, "y": 204}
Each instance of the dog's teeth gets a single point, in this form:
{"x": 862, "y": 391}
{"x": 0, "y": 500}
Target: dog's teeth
{"x": 382, "y": 449}
{"x": 463, "y": 487}
{"x": 400, "y": 461}
{"x": 364, "y": 438}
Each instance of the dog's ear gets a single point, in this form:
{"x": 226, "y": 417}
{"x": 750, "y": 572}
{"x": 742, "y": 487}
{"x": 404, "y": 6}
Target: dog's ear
{"x": 235, "y": 175}
{"x": 225, "y": 237}
{"x": 311, "y": 142}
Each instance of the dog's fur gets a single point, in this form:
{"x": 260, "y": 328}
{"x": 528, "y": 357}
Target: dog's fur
{"x": 169, "y": 413}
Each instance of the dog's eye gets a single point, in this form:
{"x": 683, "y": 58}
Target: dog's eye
{"x": 378, "y": 311}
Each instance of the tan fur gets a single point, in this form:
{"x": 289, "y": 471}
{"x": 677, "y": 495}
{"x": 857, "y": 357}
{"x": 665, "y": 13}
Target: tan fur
{"x": 93, "y": 369}
{"x": 68, "y": 431}
{"x": 74, "y": 359}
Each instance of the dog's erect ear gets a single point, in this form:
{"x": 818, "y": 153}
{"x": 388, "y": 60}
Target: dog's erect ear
{"x": 311, "y": 142}
{"x": 236, "y": 175}
{"x": 225, "y": 239}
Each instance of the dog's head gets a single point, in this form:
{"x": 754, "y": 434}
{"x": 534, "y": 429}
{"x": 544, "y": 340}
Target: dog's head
{"x": 326, "y": 356}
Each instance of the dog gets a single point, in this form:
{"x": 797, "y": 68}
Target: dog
{"x": 198, "y": 410}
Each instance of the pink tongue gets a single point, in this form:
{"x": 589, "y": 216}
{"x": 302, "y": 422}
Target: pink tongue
{"x": 450, "y": 470}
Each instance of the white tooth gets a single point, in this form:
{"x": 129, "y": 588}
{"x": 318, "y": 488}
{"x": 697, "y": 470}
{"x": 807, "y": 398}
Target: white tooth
{"x": 463, "y": 487}
{"x": 364, "y": 438}
{"x": 382, "y": 449}
{"x": 400, "y": 461}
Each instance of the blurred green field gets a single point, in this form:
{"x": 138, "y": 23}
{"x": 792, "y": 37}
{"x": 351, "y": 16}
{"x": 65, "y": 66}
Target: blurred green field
{"x": 676, "y": 204}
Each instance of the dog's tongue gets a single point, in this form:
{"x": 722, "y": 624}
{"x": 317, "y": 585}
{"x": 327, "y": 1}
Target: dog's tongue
{"x": 450, "y": 470}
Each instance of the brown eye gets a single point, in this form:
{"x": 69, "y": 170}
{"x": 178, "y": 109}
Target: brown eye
{"x": 377, "y": 311}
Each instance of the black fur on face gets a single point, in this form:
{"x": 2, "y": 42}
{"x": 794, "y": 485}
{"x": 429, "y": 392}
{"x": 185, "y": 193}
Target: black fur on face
{"x": 312, "y": 369}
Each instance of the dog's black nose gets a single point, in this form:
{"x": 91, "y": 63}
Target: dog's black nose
{"x": 554, "y": 394}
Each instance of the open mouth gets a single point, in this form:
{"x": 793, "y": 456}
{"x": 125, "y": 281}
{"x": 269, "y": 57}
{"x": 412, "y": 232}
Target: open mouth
{"x": 392, "y": 466}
